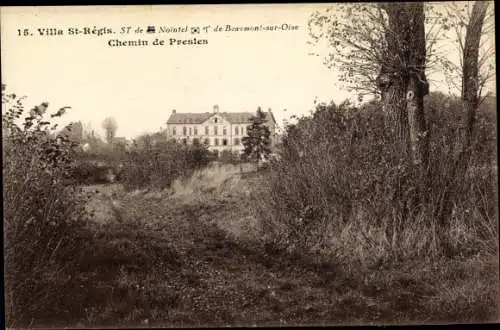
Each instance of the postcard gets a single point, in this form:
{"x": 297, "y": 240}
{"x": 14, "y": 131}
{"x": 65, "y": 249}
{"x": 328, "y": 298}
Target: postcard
{"x": 250, "y": 165}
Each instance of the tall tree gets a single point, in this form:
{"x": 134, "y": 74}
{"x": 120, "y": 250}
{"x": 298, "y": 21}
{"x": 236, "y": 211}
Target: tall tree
{"x": 471, "y": 82}
{"x": 384, "y": 49}
{"x": 257, "y": 142}
{"x": 110, "y": 127}
{"x": 471, "y": 93}
{"x": 460, "y": 21}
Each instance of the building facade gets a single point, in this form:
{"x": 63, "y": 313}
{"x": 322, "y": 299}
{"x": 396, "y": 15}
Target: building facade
{"x": 220, "y": 131}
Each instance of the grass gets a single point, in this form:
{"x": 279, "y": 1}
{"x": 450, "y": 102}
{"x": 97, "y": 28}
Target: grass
{"x": 184, "y": 257}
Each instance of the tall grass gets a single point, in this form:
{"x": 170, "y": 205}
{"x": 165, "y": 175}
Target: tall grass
{"x": 218, "y": 179}
{"x": 339, "y": 188}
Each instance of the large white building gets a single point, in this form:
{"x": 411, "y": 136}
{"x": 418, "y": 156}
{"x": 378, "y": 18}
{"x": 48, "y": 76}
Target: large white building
{"x": 219, "y": 130}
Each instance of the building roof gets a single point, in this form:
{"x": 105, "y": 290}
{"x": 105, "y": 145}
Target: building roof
{"x": 188, "y": 118}
{"x": 199, "y": 118}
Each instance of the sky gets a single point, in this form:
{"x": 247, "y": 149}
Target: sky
{"x": 140, "y": 86}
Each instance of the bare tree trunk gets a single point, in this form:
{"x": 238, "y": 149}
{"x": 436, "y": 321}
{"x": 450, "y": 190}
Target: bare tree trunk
{"x": 470, "y": 100}
{"x": 404, "y": 85}
{"x": 470, "y": 72}
{"x": 417, "y": 127}
{"x": 392, "y": 80}
{"x": 417, "y": 87}
{"x": 402, "y": 79}
{"x": 396, "y": 119}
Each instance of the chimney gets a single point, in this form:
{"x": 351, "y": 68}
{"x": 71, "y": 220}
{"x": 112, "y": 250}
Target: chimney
{"x": 216, "y": 108}
{"x": 173, "y": 111}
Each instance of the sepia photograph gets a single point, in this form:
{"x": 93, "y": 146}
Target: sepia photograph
{"x": 250, "y": 165}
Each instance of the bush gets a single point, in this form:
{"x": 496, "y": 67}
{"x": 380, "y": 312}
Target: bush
{"x": 104, "y": 165}
{"x": 85, "y": 172}
{"x": 229, "y": 157}
{"x": 158, "y": 165}
{"x": 339, "y": 187}
{"x": 44, "y": 220}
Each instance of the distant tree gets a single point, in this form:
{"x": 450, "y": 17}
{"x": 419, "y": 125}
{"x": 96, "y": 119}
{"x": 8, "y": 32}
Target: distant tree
{"x": 88, "y": 131}
{"x": 74, "y": 131}
{"x": 197, "y": 154}
{"x": 257, "y": 142}
{"x": 110, "y": 126}
{"x": 144, "y": 141}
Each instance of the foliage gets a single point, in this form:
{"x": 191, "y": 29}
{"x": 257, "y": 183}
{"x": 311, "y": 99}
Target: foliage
{"x": 158, "y": 164}
{"x": 357, "y": 36}
{"x": 338, "y": 173}
{"x": 74, "y": 131}
{"x": 257, "y": 141}
{"x": 87, "y": 172}
{"x": 43, "y": 218}
{"x": 230, "y": 157}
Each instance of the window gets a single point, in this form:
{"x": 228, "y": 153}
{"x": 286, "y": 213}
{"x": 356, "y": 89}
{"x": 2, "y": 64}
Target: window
{"x": 173, "y": 130}
{"x": 216, "y": 142}
{"x": 184, "y": 130}
{"x": 224, "y": 142}
{"x": 196, "y": 131}
{"x": 189, "y": 130}
{"x": 196, "y": 141}
{"x": 215, "y": 120}
{"x": 206, "y": 130}
{"x": 236, "y": 142}
{"x": 215, "y": 130}
{"x": 236, "y": 131}
{"x": 224, "y": 130}
{"x": 207, "y": 142}
{"x": 184, "y": 141}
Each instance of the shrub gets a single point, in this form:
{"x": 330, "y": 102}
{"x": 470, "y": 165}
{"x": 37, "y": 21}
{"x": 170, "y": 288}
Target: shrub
{"x": 43, "y": 218}
{"x": 230, "y": 157}
{"x": 104, "y": 165}
{"x": 85, "y": 172}
{"x": 158, "y": 165}
{"x": 339, "y": 186}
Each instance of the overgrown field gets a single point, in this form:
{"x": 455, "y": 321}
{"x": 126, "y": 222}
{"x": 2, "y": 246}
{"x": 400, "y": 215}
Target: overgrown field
{"x": 337, "y": 229}
{"x": 193, "y": 255}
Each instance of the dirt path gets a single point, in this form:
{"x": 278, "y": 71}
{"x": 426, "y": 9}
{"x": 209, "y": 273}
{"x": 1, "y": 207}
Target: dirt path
{"x": 168, "y": 262}
{"x": 213, "y": 277}
{"x": 218, "y": 279}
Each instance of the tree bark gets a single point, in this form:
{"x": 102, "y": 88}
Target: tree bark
{"x": 396, "y": 120}
{"x": 402, "y": 79}
{"x": 417, "y": 88}
{"x": 391, "y": 81}
{"x": 470, "y": 71}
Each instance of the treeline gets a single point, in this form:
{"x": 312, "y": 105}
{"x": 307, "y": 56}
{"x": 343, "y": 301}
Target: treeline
{"x": 152, "y": 160}
{"x": 150, "y": 163}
